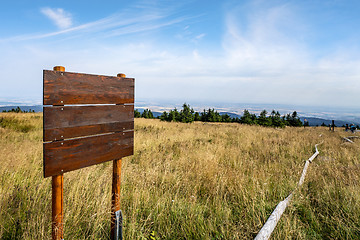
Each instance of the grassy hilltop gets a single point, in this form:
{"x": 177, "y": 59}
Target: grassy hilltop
{"x": 187, "y": 181}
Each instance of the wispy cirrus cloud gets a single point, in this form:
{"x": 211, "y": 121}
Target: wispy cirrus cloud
{"x": 59, "y": 16}
{"x": 121, "y": 23}
{"x": 265, "y": 41}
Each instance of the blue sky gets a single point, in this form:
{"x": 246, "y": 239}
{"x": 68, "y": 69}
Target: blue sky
{"x": 263, "y": 51}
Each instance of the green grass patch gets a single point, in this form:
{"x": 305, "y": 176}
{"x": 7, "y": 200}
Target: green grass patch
{"x": 15, "y": 124}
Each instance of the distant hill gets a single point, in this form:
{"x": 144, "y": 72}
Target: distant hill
{"x": 232, "y": 115}
{"x": 155, "y": 114}
{"x": 36, "y": 108}
{"x": 318, "y": 121}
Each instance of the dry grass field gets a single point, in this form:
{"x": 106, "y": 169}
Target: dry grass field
{"x": 187, "y": 181}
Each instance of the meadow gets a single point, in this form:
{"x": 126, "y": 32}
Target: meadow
{"x": 187, "y": 181}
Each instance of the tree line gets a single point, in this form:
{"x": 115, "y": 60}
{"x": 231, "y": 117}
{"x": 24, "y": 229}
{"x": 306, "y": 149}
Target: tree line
{"x": 188, "y": 115}
{"x": 19, "y": 110}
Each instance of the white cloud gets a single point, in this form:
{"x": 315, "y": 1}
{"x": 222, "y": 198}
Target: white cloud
{"x": 61, "y": 18}
{"x": 265, "y": 46}
{"x": 197, "y": 38}
{"x": 266, "y": 43}
{"x": 200, "y": 36}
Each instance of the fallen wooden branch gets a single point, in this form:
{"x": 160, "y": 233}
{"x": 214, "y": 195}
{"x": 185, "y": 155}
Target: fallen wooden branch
{"x": 275, "y": 216}
{"x": 348, "y": 140}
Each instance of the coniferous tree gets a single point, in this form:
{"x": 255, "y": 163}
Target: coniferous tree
{"x": 203, "y": 116}
{"x": 226, "y": 118}
{"x": 293, "y": 120}
{"x": 186, "y": 114}
{"x": 147, "y": 114}
{"x": 246, "y": 118}
{"x": 197, "y": 117}
{"x": 164, "y": 116}
{"x": 276, "y": 120}
{"x": 144, "y": 114}
{"x": 236, "y": 119}
{"x": 150, "y": 114}
{"x": 137, "y": 114}
{"x": 263, "y": 120}
{"x": 173, "y": 116}
{"x": 296, "y": 120}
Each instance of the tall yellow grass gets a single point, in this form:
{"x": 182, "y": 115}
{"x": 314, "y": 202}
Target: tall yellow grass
{"x": 189, "y": 181}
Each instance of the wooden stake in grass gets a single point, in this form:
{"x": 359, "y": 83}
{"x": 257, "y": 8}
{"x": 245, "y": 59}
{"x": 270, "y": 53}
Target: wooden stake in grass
{"x": 57, "y": 207}
{"x": 57, "y": 197}
{"x": 115, "y": 193}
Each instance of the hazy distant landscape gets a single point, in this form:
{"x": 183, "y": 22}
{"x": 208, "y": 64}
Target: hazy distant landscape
{"x": 314, "y": 115}
{"x": 317, "y": 115}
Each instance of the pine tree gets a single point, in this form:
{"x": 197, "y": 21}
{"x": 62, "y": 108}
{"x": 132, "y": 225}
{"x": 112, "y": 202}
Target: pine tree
{"x": 263, "y": 120}
{"x": 276, "y": 120}
{"x": 226, "y": 118}
{"x": 147, "y": 114}
{"x": 137, "y": 113}
{"x": 247, "y": 118}
{"x": 197, "y": 117}
{"x": 164, "y": 116}
{"x": 186, "y": 114}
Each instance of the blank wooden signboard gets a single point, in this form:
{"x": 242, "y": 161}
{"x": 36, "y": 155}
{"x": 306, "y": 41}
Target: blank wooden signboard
{"x": 90, "y": 120}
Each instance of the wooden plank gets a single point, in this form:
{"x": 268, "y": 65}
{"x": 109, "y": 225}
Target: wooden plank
{"x": 73, "y": 132}
{"x": 61, "y": 122}
{"x": 61, "y": 88}
{"x": 69, "y": 155}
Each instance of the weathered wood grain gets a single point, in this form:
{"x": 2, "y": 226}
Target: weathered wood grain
{"x": 62, "y": 122}
{"x": 61, "y": 88}
{"x": 69, "y": 155}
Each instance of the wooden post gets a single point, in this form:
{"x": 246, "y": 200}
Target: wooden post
{"x": 115, "y": 196}
{"x": 59, "y": 68}
{"x": 115, "y": 193}
{"x": 57, "y": 197}
{"x": 57, "y": 207}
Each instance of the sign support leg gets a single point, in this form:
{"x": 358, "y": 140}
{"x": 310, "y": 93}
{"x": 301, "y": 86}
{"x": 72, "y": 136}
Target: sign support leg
{"x": 115, "y": 198}
{"x": 57, "y": 207}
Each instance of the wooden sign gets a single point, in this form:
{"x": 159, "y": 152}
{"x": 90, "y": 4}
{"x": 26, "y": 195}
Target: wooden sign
{"x": 88, "y": 119}
{"x": 77, "y": 134}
